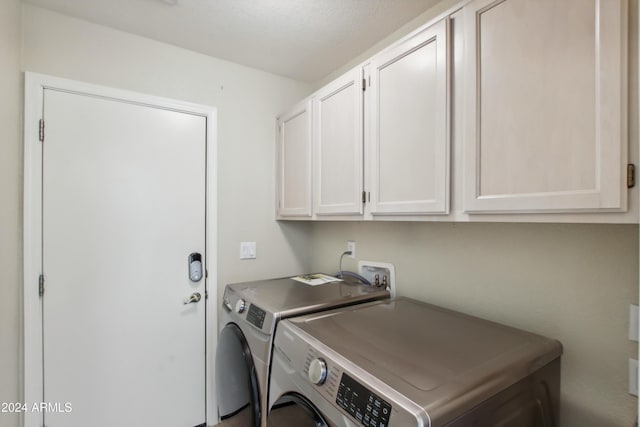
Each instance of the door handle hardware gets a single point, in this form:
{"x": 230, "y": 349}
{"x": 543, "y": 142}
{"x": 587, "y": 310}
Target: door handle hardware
{"x": 195, "y": 297}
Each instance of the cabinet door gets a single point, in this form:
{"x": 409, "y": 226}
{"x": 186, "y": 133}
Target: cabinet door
{"x": 338, "y": 146}
{"x": 409, "y": 136}
{"x": 545, "y": 119}
{"x": 294, "y": 161}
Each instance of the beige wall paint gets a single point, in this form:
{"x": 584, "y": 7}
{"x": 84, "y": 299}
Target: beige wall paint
{"x": 570, "y": 282}
{"x": 10, "y": 208}
{"x": 247, "y": 100}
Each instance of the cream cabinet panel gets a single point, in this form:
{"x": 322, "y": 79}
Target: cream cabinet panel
{"x": 408, "y": 126}
{"x": 545, "y": 119}
{"x": 294, "y": 161}
{"x": 338, "y": 146}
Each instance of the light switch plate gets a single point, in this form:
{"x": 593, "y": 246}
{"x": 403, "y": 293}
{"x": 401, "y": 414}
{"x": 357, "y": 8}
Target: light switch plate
{"x": 247, "y": 250}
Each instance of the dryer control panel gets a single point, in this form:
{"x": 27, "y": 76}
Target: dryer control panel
{"x": 256, "y": 316}
{"x": 363, "y": 405}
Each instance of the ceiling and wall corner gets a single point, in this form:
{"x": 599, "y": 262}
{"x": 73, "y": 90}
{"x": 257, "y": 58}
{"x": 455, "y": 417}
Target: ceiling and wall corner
{"x": 438, "y": 9}
{"x": 301, "y": 39}
{"x": 11, "y": 209}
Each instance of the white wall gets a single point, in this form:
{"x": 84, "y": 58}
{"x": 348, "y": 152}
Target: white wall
{"x": 10, "y": 208}
{"x": 247, "y": 100}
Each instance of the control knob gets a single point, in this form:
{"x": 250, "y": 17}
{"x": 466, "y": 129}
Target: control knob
{"x": 240, "y": 306}
{"x": 318, "y": 371}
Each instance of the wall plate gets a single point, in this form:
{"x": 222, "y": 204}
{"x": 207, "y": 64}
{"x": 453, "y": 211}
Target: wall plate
{"x": 369, "y": 270}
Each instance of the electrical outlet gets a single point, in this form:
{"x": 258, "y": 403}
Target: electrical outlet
{"x": 351, "y": 246}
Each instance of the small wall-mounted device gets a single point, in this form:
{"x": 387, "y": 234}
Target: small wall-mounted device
{"x": 195, "y": 267}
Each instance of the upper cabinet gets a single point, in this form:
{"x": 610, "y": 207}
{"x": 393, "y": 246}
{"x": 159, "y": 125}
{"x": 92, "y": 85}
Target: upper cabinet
{"x": 496, "y": 110}
{"x": 545, "y": 99}
{"x": 338, "y": 146}
{"x": 294, "y": 162}
{"x": 408, "y": 137}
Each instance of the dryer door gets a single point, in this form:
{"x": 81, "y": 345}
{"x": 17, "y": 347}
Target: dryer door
{"x": 295, "y": 410}
{"x": 236, "y": 381}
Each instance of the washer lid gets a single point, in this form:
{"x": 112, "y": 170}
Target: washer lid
{"x": 429, "y": 354}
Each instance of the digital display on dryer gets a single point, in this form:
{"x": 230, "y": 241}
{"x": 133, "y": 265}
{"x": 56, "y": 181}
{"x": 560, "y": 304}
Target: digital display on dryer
{"x": 256, "y": 316}
{"x": 363, "y": 405}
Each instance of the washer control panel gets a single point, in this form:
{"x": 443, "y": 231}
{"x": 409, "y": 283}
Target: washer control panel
{"x": 363, "y": 405}
{"x": 256, "y": 316}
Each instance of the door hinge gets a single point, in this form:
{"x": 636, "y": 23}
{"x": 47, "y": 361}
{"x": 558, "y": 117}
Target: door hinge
{"x": 631, "y": 175}
{"x": 41, "y": 285}
{"x": 41, "y": 130}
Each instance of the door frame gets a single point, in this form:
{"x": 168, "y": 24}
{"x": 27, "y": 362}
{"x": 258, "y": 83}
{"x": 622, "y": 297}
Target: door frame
{"x": 33, "y": 390}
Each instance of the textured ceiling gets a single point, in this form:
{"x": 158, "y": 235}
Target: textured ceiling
{"x": 301, "y": 39}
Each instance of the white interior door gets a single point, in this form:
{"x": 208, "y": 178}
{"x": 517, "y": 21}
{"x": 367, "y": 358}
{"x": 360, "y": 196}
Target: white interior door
{"x": 123, "y": 207}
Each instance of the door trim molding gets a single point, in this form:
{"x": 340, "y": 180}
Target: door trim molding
{"x": 32, "y": 350}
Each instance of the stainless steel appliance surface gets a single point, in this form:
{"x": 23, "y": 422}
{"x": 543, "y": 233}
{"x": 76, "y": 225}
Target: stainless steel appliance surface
{"x": 406, "y": 363}
{"x": 249, "y": 317}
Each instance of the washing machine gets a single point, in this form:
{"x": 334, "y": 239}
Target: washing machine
{"x": 404, "y": 363}
{"x": 250, "y": 315}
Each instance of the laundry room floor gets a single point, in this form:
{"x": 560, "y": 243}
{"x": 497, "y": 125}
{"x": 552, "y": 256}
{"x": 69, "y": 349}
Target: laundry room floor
{"x": 294, "y": 417}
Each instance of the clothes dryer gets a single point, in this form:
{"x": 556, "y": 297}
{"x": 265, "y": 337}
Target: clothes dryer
{"x": 250, "y": 315}
{"x": 404, "y": 363}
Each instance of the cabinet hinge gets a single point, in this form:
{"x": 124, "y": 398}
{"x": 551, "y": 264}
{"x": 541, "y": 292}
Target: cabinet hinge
{"x": 41, "y": 285}
{"x": 631, "y": 175}
{"x": 364, "y": 197}
{"x": 41, "y": 130}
